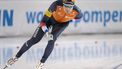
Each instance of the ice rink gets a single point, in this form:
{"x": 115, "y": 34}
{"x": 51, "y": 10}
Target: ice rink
{"x": 70, "y": 52}
{"x": 92, "y": 42}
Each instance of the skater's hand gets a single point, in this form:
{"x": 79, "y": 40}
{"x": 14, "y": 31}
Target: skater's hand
{"x": 45, "y": 29}
{"x": 48, "y": 34}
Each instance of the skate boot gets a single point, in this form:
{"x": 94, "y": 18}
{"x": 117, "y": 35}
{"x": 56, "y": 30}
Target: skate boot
{"x": 10, "y": 62}
{"x": 40, "y": 66}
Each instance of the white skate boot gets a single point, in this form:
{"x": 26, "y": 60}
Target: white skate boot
{"x": 10, "y": 62}
{"x": 40, "y": 66}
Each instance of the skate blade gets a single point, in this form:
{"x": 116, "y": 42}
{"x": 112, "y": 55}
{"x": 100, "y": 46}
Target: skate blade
{"x": 5, "y": 67}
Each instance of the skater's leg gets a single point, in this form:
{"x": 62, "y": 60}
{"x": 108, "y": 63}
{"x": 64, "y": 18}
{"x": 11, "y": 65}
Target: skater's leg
{"x": 48, "y": 50}
{"x": 37, "y": 36}
{"x": 57, "y": 30}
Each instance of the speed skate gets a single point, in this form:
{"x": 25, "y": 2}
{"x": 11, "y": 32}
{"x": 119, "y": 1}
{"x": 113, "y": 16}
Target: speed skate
{"x": 10, "y": 62}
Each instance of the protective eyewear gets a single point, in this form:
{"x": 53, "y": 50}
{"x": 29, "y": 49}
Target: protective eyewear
{"x": 68, "y": 5}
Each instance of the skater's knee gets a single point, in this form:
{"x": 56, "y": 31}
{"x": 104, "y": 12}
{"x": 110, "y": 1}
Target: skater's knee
{"x": 32, "y": 41}
{"x": 51, "y": 42}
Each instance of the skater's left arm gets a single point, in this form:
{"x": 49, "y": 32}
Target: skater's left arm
{"x": 47, "y": 16}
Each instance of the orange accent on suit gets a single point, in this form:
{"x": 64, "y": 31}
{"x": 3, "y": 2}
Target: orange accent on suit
{"x": 61, "y": 16}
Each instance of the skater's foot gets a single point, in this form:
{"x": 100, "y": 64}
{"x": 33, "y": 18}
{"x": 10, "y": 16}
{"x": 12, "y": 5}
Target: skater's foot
{"x": 11, "y": 61}
{"x": 40, "y": 66}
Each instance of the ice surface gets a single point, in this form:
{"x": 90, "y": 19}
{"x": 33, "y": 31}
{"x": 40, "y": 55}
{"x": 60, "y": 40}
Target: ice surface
{"x": 71, "y": 52}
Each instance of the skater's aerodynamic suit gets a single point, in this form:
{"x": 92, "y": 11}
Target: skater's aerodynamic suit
{"x": 55, "y": 17}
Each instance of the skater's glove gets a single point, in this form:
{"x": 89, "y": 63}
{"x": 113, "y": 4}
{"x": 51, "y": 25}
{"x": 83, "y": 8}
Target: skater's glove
{"x": 46, "y": 30}
{"x": 44, "y": 27}
{"x": 48, "y": 34}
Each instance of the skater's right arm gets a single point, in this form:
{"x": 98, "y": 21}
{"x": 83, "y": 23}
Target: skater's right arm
{"x": 47, "y": 16}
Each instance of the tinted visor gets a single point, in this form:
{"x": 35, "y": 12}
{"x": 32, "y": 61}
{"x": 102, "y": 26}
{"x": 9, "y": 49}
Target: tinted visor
{"x": 68, "y": 5}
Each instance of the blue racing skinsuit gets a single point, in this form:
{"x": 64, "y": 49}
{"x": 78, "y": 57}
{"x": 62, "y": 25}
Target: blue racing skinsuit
{"x": 56, "y": 17}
